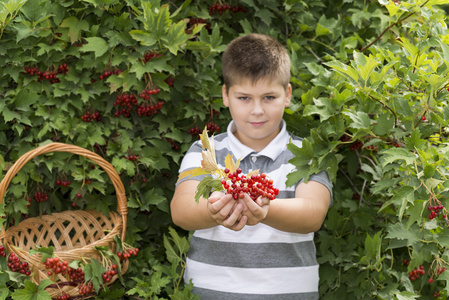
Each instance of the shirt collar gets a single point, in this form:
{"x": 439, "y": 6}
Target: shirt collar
{"x": 272, "y": 150}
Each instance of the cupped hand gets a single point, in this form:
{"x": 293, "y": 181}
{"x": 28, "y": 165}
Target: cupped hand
{"x": 255, "y": 211}
{"x": 225, "y": 211}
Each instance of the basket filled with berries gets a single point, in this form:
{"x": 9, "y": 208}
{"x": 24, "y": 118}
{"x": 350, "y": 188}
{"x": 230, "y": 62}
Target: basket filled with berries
{"x": 71, "y": 247}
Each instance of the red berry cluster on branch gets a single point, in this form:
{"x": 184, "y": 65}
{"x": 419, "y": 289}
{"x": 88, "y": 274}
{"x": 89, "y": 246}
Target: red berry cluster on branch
{"x": 108, "y": 73}
{"x": 56, "y": 266}
{"x": 86, "y": 288}
{"x": 111, "y": 272}
{"x": 238, "y": 184}
{"x": 127, "y": 253}
{"x": 63, "y": 296}
{"x": 2, "y": 251}
{"x": 195, "y": 131}
{"x": 416, "y": 273}
{"x": 193, "y": 21}
{"x": 173, "y": 144}
{"x": 356, "y": 145}
{"x": 212, "y": 127}
{"x": 76, "y": 275}
{"x": 50, "y": 75}
{"x": 221, "y": 8}
{"x": 435, "y": 210}
{"x": 16, "y": 265}
{"x": 40, "y": 197}
{"x": 170, "y": 81}
{"x": 89, "y": 117}
{"x": 146, "y": 94}
{"x": 63, "y": 182}
{"x": 149, "y": 55}
{"x": 125, "y": 102}
{"x": 132, "y": 157}
{"x": 148, "y": 110}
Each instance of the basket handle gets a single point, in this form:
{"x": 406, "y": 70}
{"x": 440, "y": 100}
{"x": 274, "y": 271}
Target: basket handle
{"x": 122, "y": 207}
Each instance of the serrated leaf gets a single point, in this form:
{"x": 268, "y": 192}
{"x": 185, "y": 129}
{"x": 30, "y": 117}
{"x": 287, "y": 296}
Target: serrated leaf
{"x": 33, "y": 292}
{"x": 192, "y": 172}
{"x": 205, "y": 187}
{"x": 75, "y": 27}
{"x": 96, "y": 45}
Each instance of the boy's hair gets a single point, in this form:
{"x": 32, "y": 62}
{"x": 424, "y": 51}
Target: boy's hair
{"x": 254, "y": 57}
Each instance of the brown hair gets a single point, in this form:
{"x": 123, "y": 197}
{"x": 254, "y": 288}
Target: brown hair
{"x": 254, "y": 57}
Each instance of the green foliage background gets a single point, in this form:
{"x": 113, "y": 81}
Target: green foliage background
{"x": 370, "y": 83}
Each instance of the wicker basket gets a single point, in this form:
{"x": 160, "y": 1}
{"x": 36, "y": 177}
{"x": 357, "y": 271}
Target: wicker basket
{"x": 73, "y": 234}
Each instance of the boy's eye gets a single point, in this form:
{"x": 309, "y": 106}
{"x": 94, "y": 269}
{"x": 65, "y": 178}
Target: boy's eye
{"x": 270, "y": 97}
{"x": 243, "y": 98}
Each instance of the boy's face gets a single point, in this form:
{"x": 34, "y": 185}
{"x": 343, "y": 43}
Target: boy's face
{"x": 257, "y": 110}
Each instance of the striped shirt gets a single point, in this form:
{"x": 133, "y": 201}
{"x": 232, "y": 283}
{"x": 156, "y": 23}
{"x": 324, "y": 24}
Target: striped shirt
{"x": 258, "y": 262}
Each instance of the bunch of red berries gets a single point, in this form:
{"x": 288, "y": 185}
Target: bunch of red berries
{"x": 50, "y": 75}
{"x": 132, "y": 157}
{"x": 76, "y": 275}
{"x": 106, "y": 74}
{"x": 63, "y": 182}
{"x": 88, "y": 116}
{"x": 63, "y": 296}
{"x": 441, "y": 270}
{"x": 212, "y": 127}
{"x": 126, "y": 102}
{"x": 416, "y": 273}
{"x": 56, "y": 265}
{"x": 221, "y": 8}
{"x": 173, "y": 144}
{"x": 62, "y": 69}
{"x": 16, "y": 265}
{"x": 193, "y": 21}
{"x": 2, "y": 251}
{"x": 127, "y": 253}
{"x": 107, "y": 276}
{"x": 40, "y": 197}
{"x": 238, "y": 184}
{"x": 195, "y": 131}
{"x": 356, "y": 145}
{"x": 146, "y": 94}
{"x": 148, "y": 109}
{"x": 86, "y": 288}
{"x": 434, "y": 210}
{"x": 170, "y": 81}
{"x": 149, "y": 55}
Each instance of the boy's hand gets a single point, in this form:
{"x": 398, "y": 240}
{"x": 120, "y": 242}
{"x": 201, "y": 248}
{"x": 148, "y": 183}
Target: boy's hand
{"x": 256, "y": 211}
{"x": 226, "y": 211}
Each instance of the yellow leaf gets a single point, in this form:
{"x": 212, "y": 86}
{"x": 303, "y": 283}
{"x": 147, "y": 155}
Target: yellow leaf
{"x": 230, "y": 164}
{"x": 207, "y": 144}
{"x": 192, "y": 172}
{"x": 255, "y": 172}
{"x": 209, "y": 162}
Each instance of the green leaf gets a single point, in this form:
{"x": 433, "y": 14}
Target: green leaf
{"x": 75, "y": 27}
{"x": 360, "y": 119}
{"x": 399, "y": 232}
{"x": 33, "y": 292}
{"x": 391, "y": 155}
{"x": 95, "y": 44}
{"x": 205, "y": 187}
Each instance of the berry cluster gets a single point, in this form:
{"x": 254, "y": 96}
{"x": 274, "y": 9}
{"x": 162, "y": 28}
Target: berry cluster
{"x": 16, "y": 265}
{"x": 106, "y": 74}
{"x": 111, "y": 272}
{"x": 76, "y": 275}
{"x": 173, "y": 144}
{"x": 195, "y": 131}
{"x": 356, "y": 145}
{"x": 146, "y": 94}
{"x": 416, "y": 273}
{"x": 56, "y": 266}
{"x": 63, "y": 296}
{"x": 212, "y": 127}
{"x": 149, "y": 55}
{"x": 132, "y": 157}
{"x": 256, "y": 185}
{"x": 2, "y": 251}
{"x": 40, "y": 197}
{"x": 126, "y": 102}
{"x": 221, "y": 8}
{"x": 147, "y": 110}
{"x": 50, "y": 75}
{"x": 193, "y": 21}
{"x": 88, "y": 116}
{"x": 100, "y": 149}
{"x": 170, "y": 81}
{"x": 86, "y": 288}
{"x": 127, "y": 253}
{"x": 434, "y": 210}
{"x": 62, "y": 182}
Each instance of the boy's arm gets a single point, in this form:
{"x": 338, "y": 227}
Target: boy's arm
{"x": 303, "y": 214}
{"x": 190, "y": 215}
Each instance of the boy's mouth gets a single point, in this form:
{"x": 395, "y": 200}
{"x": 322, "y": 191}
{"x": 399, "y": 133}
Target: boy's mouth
{"x": 257, "y": 124}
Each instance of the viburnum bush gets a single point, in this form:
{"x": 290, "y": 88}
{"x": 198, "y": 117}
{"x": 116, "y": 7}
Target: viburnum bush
{"x": 137, "y": 81}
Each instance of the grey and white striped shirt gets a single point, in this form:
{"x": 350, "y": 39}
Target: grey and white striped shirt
{"x": 258, "y": 262}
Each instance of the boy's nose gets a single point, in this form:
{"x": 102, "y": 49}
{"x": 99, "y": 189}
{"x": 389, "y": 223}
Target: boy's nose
{"x": 257, "y": 108}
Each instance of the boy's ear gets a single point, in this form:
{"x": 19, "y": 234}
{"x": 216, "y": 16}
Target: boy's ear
{"x": 225, "y": 96}
{"x": 288, "y": 96}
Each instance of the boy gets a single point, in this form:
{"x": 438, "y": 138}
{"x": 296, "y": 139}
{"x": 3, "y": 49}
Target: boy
{"x": 245, "y": 249}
